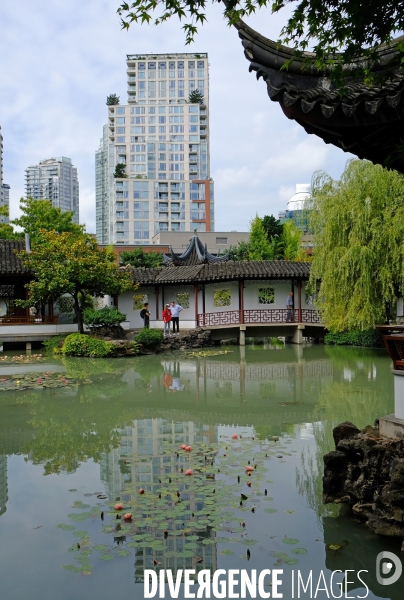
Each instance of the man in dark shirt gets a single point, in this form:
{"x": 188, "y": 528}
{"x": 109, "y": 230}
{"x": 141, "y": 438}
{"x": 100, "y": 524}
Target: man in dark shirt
{"x": 144, "y": 313}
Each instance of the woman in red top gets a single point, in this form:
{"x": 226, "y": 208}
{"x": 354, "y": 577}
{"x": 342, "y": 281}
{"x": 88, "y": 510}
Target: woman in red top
{"x": 167, "y": 319}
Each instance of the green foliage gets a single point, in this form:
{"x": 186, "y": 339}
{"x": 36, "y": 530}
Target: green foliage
{"x": 291, "y": 241}
{"x": 67, "y": 263}
{"x": 240, "y": 252}
{"x": 260, "y": 247}
{"x": 55, "y": 344}
{"x": 272, "y": 226}
{"x": 137, "y": 258}
{"x": 369, "y": 338}
{"x": 112, "y": 100}
{"x": 195, "y": 97}
{"x": 358, "y": 225}
{"x": 40, "y": 215}
{"x": 327, "y": 27}
{"x": 120, "y": 171}
{"x": 6, "y": 230}
{"x": 108, "y": 316}
{"x": 77, "y": 344}
{"x": 149, "y": 337}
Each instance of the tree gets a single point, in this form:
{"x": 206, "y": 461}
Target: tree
{"x": 272, "y": 226}
{"x": 112, "y": 100}
{"x": 355, "y": 27}
{"x": 358, "y": 225}
{"x": 6, "y": 230}
{"x": 137, "y": 258}
{"x": 240, "y": 252}
{"x": 120, "y": 171}
{"x": 259, "y": 246}
{"x": 195, "y": 97}
{"x": 40, "y": 215}
{"x": 291, "y": 241}
{"x": 65, "y": 263}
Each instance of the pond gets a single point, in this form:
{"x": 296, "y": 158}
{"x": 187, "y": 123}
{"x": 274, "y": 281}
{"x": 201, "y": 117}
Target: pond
{"x": 216, "y": 455}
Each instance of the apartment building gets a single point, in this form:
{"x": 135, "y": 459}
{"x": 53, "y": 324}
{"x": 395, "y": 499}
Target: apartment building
{"x": 160, "y": 142}
{"x": 4, "y": 188}
{"x": 54, "y": 179}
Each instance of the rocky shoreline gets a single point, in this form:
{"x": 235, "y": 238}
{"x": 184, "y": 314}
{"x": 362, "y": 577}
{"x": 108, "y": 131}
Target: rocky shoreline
{"x": 366, "y": 472}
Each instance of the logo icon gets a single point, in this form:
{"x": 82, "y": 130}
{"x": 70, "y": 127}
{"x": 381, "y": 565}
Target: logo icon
{"x": 389, "y": 564}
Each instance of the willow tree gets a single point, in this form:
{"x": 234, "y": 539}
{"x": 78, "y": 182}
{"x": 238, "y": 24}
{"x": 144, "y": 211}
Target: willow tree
{"x": 358, "y": 225}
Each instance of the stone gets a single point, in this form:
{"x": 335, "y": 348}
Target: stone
{"x": 344, "y": 431}
{"x": 366, "y": 472}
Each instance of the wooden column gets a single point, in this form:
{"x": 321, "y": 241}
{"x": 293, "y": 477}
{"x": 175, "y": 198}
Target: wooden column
{"x": 156, "y": 291}
{"x": 241, "y": 300}
{"x": 196, "y": 303}
{"x": 203, "y": 299}
{"x": 299, "y": 300}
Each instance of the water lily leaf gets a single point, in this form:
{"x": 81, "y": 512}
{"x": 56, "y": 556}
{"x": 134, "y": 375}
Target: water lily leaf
{"x": 281, "y": 555}
{"x": 288, "y": 540}
{"x": 227, "y": 552}
{"x": 80, "y": 533}
{"x": 106, "y": 557}
{"x": 100, "y": 547}
{"x": 123, "y": 552}
{"x": 249, "y": 542}
{"x": 291, "y": 561}
{"x": 299, "y": 551}
{"x": 270, "y": 510}
{"x": 65, "y": 527}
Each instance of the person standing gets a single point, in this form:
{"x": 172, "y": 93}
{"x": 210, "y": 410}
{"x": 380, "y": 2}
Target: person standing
{"x": 289, "y": 308}
{"x": 175, "y": 316}
{"x": 167, "y": 320}
{"x": 144, "y": 313}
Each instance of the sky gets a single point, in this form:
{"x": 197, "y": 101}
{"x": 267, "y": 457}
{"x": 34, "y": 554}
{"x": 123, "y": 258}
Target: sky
{"x": 60, "y": 60}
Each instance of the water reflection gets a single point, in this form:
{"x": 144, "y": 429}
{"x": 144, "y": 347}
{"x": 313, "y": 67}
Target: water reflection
{"x": 130, "y": 408}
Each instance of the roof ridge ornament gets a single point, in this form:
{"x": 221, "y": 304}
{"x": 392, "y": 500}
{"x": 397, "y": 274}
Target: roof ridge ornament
{"x": 195, "y": 254}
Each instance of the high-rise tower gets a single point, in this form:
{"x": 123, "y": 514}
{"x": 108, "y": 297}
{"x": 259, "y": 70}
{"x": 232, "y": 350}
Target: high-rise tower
{"x": 4, "y": 188}
{"x": 54, "y": 179}
{"x": 160, "y": 141}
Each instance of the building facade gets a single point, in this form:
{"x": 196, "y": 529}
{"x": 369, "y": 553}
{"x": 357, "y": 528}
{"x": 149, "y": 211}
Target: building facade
{"x": 54, "y": 179}
{"x": 160, "y": 140}
{"x": 4, "y": 188}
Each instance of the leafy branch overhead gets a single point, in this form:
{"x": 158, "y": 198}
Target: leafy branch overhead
{"x": 352, "y": 27}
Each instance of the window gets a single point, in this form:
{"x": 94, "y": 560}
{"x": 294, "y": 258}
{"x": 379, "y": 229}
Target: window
{"x": 120, "y": 110}
{"x": 183, "y": 299}
{"x": 162, "y": 129}
{"x": 120, "y": 120}
{"x": 266, "y": 295}
{"x": 141, "y": 191}
{"x": 137, "y": 110}
{"x": 141, "y": 210}
{"x": 221, "y": 298}
{"x": 176, "y": 110}
{"x": 177, "y": 119}
{"x": 310, "y": 298}
{"x": 152, "y": 129}
{"x": 152, "y": 110}
{"x": 221, "y": 240}
{"x": 120, "y": 130}
{"x": 162, "y": 110}
{"x": 194, "y": 119}
{"x": 193, "y": 129}
{"x": 138, "y": 129}
{"x": 138, "y": 148}
{"x": 139, "y": 300}
{"x": 152, "y": 120}
{"x": 176, "y": 128}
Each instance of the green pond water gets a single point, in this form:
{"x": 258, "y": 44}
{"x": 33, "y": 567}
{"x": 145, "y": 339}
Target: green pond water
{"x": 101, "y": 430}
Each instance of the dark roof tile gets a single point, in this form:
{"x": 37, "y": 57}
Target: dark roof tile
{"x": 10, "y": 264}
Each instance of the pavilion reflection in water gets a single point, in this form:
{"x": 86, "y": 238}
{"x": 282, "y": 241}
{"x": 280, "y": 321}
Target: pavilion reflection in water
{"x": 140, "y": 462}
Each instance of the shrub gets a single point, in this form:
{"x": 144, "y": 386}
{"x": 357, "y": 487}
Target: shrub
{"x": 149, "y": 337}
{"x": 109, "y": 316}
{"x": 55, "y": 344}
{"x": 77, "y": 344}
{"x": 369, "y": 338}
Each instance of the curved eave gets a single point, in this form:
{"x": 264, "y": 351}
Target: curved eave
{"x": 270, "y": 54}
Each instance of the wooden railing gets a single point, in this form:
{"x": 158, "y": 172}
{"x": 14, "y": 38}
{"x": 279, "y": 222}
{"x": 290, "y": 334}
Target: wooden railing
{"x": 27, "y": 320}
{"x": 258, "y": 316}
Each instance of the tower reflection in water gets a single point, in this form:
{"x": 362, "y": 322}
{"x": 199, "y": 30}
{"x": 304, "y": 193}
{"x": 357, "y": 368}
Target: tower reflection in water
{"x": 140, "y": 462}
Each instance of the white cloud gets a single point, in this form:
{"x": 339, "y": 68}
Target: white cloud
{"x": 58, "y": 65}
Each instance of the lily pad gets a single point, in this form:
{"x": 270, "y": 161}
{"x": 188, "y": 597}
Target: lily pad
{"x": 227, "y": 552}
{"x": 106, "y": 557}
{"x": 270, "y": 510}
{"x": 288, "y": 540}
{"x": 65, "y": 527}
{"x": 299, "y": 551}
{"x": 291, "y": 561}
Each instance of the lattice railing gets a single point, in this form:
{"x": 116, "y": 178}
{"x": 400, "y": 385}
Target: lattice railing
{"x": 27, "y": 320}
{"x": 258, "y": 316}
{"x": 270, "y": 315}
{"x": 226, "y": 317}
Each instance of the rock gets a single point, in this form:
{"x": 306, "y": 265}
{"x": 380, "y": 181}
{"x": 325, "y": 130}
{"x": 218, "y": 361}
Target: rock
{"x": 344, "y": 431}
{"x": 115, "y": 332}
{"x": 366, "y": 472}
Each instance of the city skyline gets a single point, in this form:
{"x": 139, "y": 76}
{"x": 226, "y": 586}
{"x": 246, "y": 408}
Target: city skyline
{"x": 257, "y": 155}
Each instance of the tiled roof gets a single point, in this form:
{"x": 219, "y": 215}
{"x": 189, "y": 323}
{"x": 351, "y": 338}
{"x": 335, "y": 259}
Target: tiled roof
{"x": 10, "y": 264}
{"x": 195, "y": 254}
{"x": 225, "y": 271}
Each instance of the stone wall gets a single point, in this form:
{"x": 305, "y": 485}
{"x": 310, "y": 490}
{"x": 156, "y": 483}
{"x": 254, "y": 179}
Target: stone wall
{"x": 366, "y": 471}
